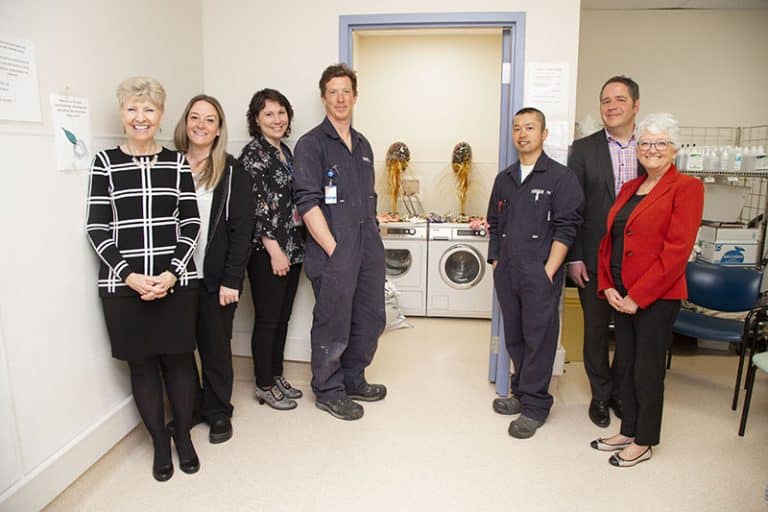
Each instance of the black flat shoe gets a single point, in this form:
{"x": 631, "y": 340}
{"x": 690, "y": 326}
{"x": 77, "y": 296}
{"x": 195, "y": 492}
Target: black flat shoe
{"x": 221, "y": 431}
{"x": 617, "y": 461}
{"x": 599, "y": 414}
{"x": 190, "y": 466}
{"x": 603, "y": 446}
{"x": 162, "y": 473}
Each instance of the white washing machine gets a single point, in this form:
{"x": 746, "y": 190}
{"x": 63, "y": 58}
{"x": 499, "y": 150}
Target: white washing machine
{"x": 405, "y": 249}
{"x": 460, "y": 282}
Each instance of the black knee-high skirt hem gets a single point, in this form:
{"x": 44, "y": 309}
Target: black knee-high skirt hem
{"x": 139, "y": 329}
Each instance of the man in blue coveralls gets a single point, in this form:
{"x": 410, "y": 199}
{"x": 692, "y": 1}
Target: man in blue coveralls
{"x": 533, "y": 216}
{"x": 334, "y": 192}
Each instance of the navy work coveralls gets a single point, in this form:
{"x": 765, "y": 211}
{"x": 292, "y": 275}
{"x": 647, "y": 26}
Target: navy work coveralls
{"x": 349, "y": 315}
{"x": 525, "y": 218}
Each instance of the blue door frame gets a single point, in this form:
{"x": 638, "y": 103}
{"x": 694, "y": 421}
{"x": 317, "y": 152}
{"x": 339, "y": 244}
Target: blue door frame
{"x": 513, "y": 60}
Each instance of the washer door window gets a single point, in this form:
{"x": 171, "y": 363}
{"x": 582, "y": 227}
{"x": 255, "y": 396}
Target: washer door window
{"x": 398, "y": 262}
{"x": 462, "y": 267}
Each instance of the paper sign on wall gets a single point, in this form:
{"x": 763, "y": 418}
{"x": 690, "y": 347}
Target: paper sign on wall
{"x": 71, "y": 132}
{"x": 19, "y": 93}
{"x": 546, "y": 87}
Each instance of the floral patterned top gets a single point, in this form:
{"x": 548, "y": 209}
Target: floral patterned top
{"x": 276, "y": 216}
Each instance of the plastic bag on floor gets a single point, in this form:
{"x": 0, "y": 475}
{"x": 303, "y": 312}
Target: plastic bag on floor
{"x": 395, "y": 318}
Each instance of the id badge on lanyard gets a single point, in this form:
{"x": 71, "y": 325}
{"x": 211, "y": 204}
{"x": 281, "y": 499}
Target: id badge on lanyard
{"x": 331, "y": 196}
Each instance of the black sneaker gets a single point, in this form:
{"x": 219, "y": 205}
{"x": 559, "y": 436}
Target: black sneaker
{"x": 344, "y": 408}
{"x": 221, "y": 431}
{"x": 507, "y": 406}
{"x": 369, "y": 393}
{"x": 524, "y": 427}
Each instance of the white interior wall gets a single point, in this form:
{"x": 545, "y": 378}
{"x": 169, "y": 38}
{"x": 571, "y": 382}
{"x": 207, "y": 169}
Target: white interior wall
{"x": 706, "y": 67}
{"x": 63, "y": 400}
{"x": 431, "y": 92}
{"x": 290, "y": 46}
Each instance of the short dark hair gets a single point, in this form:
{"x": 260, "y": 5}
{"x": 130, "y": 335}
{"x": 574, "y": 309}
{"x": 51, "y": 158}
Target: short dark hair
{"x": 257, "y": 104}
{"x": 634, "y": 89}
{"x": 336, "y": 71}
{"x": 531, "y": 110}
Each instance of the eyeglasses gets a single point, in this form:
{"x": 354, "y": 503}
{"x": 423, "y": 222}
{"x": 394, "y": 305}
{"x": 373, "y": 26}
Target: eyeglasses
{"x": 660, "y": 145}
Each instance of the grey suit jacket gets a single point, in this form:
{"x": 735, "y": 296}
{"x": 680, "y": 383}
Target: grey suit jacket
{"x": 590, "y": 160}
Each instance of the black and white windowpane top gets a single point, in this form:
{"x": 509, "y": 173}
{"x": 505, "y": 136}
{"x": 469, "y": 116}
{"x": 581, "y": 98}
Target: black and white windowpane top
{"x": 142, "y": 217}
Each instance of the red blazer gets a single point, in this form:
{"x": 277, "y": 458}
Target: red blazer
{"x": 658, "y": 238}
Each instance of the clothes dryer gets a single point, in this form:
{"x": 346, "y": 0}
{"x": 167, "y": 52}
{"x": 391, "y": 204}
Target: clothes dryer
{"x": 460, "y": 282}
{"x": 405, "y": 250}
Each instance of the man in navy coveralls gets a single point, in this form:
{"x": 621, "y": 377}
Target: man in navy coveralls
{"x": 334, "y": 191}
{"x": 533, "y": 216}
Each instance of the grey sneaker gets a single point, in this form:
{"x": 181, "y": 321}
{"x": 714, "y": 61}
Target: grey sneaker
{"x": 344, "y": 409}
{"x": 524, "y": 427}
{"x": 507, "y": 406}
{"x": 287, "y": 389}
{"x": 274, "y": 398}
{"x": 369, "y": 393}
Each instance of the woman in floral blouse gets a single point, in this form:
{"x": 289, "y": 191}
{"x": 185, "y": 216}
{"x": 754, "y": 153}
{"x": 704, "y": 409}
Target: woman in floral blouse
{"x": 278, "y": 243}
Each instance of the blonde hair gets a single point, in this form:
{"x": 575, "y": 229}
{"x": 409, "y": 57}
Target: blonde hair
{"x": 217, "y": 159}
{"x": 141, "y": 87}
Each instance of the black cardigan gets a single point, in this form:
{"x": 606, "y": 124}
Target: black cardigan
{"x": 230, "y": 229}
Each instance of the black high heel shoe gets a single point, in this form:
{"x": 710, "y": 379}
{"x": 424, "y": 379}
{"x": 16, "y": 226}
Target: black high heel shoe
{"x": 188, "y": 465}
{"x": 162, "y": 472}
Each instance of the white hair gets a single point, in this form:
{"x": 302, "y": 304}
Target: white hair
{"x": 659, "y": 123}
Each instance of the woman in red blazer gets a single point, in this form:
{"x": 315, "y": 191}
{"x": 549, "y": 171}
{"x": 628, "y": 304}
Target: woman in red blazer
{"x": 651, "y": 229}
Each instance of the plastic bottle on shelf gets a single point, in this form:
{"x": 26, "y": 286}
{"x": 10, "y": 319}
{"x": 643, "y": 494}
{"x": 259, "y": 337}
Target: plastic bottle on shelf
{"x": 712, "y": 159}
{"x": 761, "y": 159}
{"x": 725, "y": 160}
{"x": 680, "y": 160}
{"x": 695, "y": 160}
{"x": 749, "y": 159}
{"x": 738, "y": 160}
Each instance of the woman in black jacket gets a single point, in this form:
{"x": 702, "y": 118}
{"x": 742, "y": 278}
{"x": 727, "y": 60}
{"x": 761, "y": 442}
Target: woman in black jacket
{"x": 225, "y": 202}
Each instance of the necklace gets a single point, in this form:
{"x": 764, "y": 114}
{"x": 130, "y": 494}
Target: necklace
{"x": 142, "y": 162}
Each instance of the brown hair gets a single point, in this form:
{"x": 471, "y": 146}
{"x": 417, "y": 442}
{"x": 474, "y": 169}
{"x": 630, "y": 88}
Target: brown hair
{"x": 336, "y": 71}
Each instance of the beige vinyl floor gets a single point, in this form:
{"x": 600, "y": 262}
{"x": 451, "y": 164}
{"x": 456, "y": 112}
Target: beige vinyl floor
{"x": 435, "y": 445}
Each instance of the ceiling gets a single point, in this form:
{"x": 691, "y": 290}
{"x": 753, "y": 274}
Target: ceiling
{"x": 674, "y": 4}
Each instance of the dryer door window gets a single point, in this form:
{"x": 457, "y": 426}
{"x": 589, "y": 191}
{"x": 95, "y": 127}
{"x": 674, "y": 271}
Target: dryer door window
{"x": 462, "y": 267}
{"x": 398, "y": 262}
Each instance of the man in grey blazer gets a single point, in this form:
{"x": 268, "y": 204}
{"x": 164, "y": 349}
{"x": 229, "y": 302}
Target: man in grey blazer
{"x": 603, "y": 162}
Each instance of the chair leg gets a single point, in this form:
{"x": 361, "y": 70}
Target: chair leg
{"x": 738, "y": 377}
{"x": 669, "y": 358}
{"x": 747, "y": 398}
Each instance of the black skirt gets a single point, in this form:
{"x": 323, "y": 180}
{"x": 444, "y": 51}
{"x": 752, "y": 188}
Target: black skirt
{"x": 139, "y": 329}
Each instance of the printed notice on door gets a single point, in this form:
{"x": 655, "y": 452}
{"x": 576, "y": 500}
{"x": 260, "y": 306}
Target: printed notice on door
{"x": 546, "y": 87}
{"x": 19, "y": 93}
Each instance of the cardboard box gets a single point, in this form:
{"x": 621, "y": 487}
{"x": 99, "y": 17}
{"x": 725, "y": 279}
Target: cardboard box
{"x": 726, "y": 253}
{"x": 718, "y": 232}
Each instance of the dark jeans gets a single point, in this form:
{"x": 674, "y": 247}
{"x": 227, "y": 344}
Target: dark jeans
{"x": 214, "y": 343}
{"x": 642, "y": 341}
{"x": 272, "y": 304}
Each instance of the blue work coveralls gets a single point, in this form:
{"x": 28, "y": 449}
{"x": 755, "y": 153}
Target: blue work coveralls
{"x": 525, "y": 218}
{"x": 349, "y": 315}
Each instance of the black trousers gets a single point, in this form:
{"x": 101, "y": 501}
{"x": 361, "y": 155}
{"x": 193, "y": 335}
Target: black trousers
{"x": 214, "y": 343}
{"x": 604, "y": 377}
{"x": 642, "y": 341}
{"x": 272, "y": 303}
{"x": 529, "y": 306}
{"x": 349, "y": 315}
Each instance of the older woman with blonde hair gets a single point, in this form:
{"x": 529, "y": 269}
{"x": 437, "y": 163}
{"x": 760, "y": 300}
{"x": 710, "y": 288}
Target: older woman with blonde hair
{"x": 143, "y": 223}
{"x": 651, "y": 229}
{"x": 224, "y": 197}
